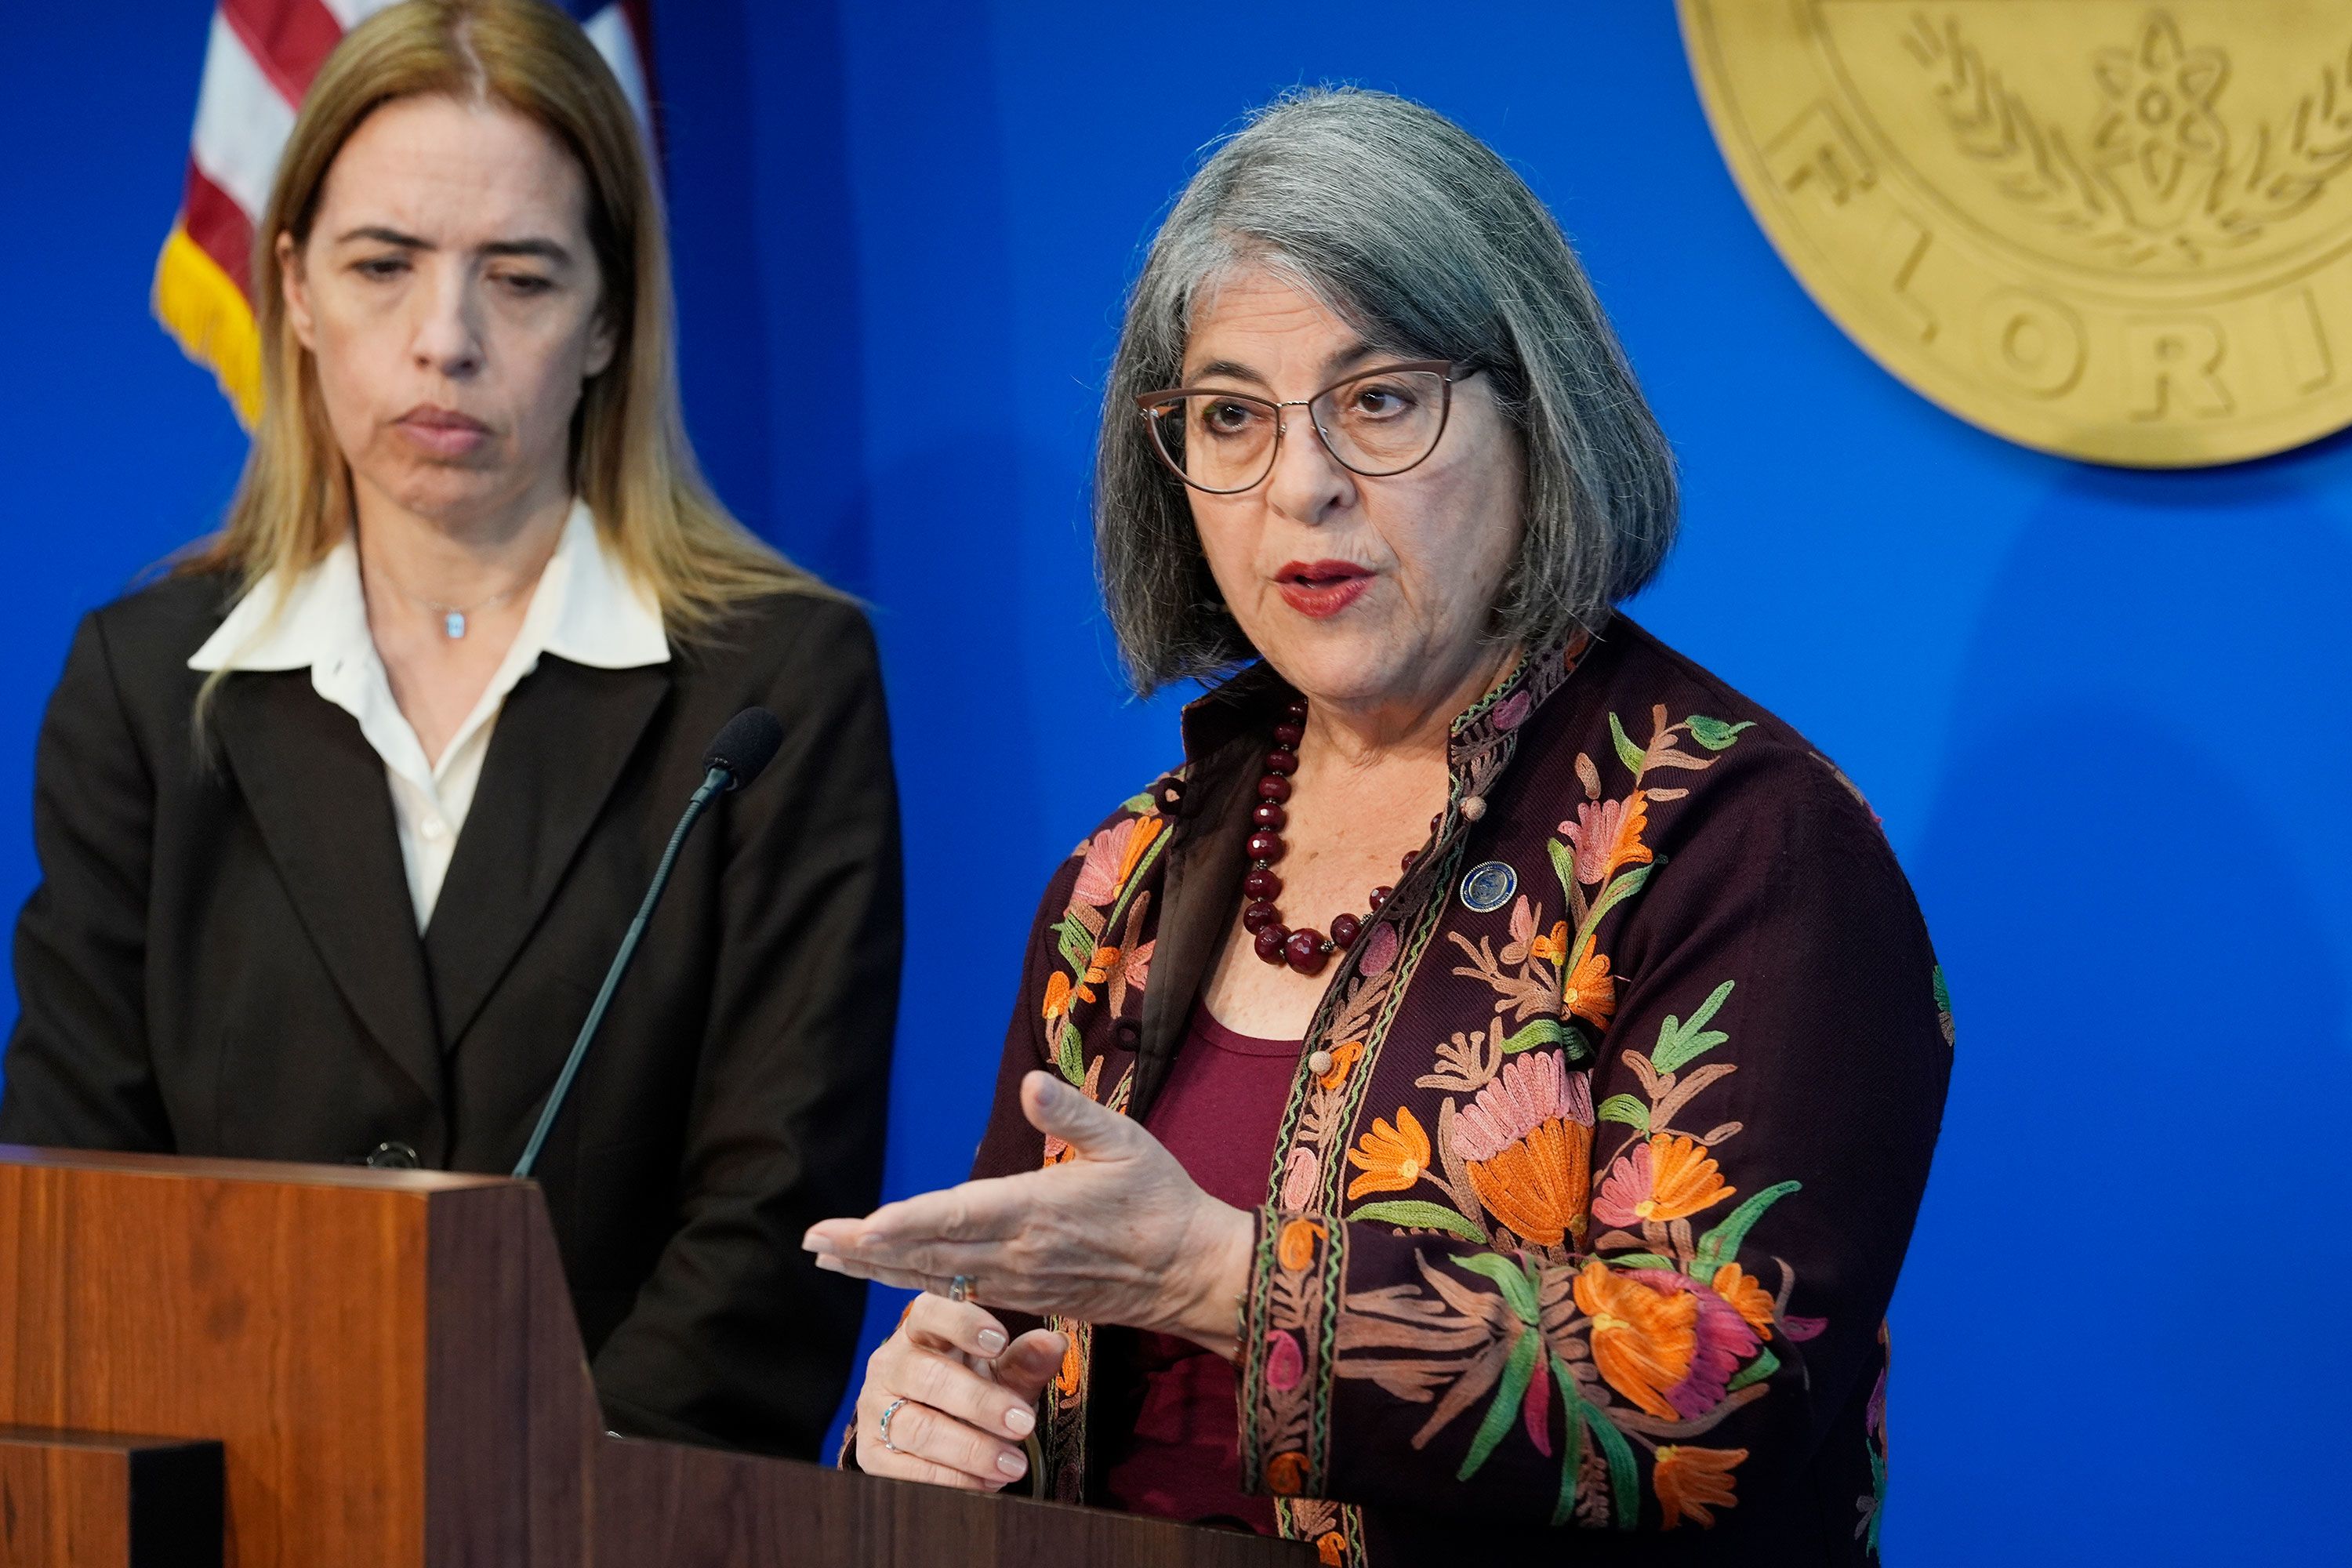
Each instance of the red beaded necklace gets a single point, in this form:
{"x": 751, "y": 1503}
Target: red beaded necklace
{"x": 1305, "y": 950}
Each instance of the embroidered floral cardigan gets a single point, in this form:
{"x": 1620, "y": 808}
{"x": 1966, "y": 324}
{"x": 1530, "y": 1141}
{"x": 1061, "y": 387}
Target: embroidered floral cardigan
{"x": 1633, "y": 1086}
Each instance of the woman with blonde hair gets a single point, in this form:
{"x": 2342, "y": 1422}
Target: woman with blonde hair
{"x": 339, "y": 823}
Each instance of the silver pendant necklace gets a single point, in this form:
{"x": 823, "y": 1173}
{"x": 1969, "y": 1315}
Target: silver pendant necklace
{"x": 454, "y": 617}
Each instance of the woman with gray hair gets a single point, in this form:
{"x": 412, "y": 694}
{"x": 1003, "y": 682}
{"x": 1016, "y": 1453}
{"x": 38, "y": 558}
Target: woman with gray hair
{"x": 1488, "y": 1086}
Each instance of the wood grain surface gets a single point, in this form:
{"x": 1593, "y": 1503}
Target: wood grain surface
{"x": 390, "y": 1364}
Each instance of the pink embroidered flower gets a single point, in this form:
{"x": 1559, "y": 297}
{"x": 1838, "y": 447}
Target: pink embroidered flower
{"x": 1530, "y": 1091}
{"x": 1513, "y": 709}
{"x": 1723, "y": 1340}
{"x": 1535, "y": 1411}
{"x": 1098, "y": 881}
{"x": 1665, "y": 1178}
{"x": 1284, "y": 1365}
{"x": 1299, "y": 1181}
{"x": 1379, "y": 949}
{"x": 1136, "y": 972}
{"x": 1593, "y": 835}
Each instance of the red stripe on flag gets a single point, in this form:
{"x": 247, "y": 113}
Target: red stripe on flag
{"x": 219, "y": 228}
{"x": 289, "y": 39}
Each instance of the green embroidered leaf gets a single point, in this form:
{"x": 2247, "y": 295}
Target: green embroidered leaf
{"x": 1542, "y": 1032}
{"x": 1572, "y": 1462}
{"x": 1639, "y": 1260}
{"x": 1070, "y": 1054}
{"x": 1420, "y": 1216}
{"x": 1942, "y": 992}
{"x": 1723, "y": 1241}
{"x": 1631, "y": 755}
{"x": 1679, "y": 1042}
{"x": 1563, "y": 866}
{"x": 1077, "y": 944}
{"x": 1518, "y": 1286}
{"x": 1135, "y": 880}
{"x": 1878, "y": 1492}
{"x": 1578, "y": 1049}
{"x": 1626, "y": 885}
{"x": 1756, "y": 1370}
{"x": 1714, "y": 733}
{"x": 1516, "y": 1373}
{"x": 1625, "y": 1108}
{"x": 1624, "y": 1480}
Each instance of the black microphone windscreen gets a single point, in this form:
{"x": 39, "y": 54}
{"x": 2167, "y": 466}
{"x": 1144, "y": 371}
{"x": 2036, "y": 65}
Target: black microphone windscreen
{"x": 746, "y": 744}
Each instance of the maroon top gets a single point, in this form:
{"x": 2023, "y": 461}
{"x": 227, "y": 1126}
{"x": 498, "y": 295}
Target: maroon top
{"x": 1218, "y": 1115}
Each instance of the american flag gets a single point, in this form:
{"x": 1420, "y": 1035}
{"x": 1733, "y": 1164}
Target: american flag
{"x": 259, "y": 61}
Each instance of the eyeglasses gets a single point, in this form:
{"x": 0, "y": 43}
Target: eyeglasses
{"x": 1375, "y": 423}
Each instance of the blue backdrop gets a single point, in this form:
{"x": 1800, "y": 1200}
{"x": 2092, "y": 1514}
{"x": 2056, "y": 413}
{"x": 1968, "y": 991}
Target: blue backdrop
{"x": 2102, "y": 713}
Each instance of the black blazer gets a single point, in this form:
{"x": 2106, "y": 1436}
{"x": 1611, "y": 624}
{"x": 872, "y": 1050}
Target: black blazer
{"x": 221, "y": 959}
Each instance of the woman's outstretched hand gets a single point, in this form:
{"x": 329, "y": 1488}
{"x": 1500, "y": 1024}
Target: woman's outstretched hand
{"x": 1117, "y": 1233}
{"x": 964, "y": 1398}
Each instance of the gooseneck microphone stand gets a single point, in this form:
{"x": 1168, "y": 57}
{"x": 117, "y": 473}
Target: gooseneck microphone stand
{"x": 743, "y": 748}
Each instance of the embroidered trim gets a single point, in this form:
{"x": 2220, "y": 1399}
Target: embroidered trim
{"x": 1298, "y": 1280}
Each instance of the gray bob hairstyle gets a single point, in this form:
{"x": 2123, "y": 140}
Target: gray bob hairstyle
{"x": 1426, "y": 241}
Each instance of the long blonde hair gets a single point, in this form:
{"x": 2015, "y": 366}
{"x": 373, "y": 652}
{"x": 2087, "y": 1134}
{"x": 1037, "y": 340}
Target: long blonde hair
{"x": 630, "y": 457}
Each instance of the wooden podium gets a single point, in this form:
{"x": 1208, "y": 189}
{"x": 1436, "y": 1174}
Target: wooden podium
{"x": 208, "y": 1362}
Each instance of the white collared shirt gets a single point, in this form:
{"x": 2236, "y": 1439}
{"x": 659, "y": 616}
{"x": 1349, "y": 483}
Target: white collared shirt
{"x": 586, "y": 609}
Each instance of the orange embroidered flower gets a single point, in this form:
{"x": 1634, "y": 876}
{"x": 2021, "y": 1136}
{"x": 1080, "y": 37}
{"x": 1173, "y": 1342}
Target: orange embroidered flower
{"x": 1642, "y": 1340}
{"x": 1588, "y": 992}
{"x": 1145, "y": 830}
{"x": 1607, "y": 834}
{"x": 1536, "y": 1187}
{"x": 1098, "y": 968}
{"x": 1067, "y": 1379}
{"x": 1747, "y": 1297}
{"x": 1057, "y": 995}
{"x": 1627, "y": 849}
{"x": 1527, "y": 1140}
{"x": 1552, "y": 948}
{"x": 1331, "y": 1549}
{"x": 1295, "y": 1249}
{"x": 1690, "y": 1480}
{"x": 1285, "y": 1473}
{"x": 1344, "y": 1055}
{"x": 1392, "y": 1158}
{"x": 1667, "y": 1178}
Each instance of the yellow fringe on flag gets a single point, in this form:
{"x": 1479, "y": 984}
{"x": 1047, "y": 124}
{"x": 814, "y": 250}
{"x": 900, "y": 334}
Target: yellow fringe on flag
{"x": 202, "y": 308}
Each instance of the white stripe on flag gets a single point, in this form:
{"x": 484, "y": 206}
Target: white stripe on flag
{"x": 351, "y": 13}
{"x": 609, "y": 30}
{"x": 242, "y": 123}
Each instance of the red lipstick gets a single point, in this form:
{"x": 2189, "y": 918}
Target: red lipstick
{"x": 1322, "y": 588}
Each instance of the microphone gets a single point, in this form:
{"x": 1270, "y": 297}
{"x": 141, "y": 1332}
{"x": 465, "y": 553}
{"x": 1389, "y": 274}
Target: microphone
{"x": 740, "y": 752}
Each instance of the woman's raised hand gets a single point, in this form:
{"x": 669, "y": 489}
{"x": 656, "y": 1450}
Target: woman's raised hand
{"x": 1116, "y": 1234}
{"x": 964, "y": 1398}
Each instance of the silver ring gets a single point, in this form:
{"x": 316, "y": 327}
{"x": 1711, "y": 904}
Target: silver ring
{"x": 888, "y": 1411}
{"x": 960, "y": 1288}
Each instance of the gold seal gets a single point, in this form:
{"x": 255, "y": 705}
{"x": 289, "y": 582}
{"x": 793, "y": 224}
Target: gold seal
{"x": 2105, "y": 228}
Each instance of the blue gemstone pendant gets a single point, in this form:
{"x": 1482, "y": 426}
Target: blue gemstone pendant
{"x": 454, "y": 623}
